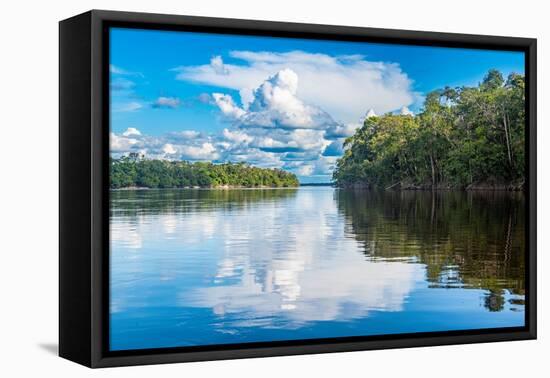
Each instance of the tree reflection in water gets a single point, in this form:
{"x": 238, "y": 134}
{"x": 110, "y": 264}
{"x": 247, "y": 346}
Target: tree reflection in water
{"x": 465, "y": 239}
{"x": 131, "y": 203}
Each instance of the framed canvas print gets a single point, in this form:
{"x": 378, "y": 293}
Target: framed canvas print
{"x": 233, "y": 188}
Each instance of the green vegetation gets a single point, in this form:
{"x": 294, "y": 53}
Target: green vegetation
{"x": 134, "y": 171}
{"x": 464, "y": 137}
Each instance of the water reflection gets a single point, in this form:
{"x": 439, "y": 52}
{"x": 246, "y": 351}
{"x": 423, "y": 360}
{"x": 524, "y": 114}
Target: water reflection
{"x": 194, "y": 267}
{"x": 133, "y": 203}
{"x": 465, "y": 239}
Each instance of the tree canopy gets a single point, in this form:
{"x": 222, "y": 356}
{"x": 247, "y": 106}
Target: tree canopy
{"x": 135, "y": 171}
{"x": 462, "y": 137}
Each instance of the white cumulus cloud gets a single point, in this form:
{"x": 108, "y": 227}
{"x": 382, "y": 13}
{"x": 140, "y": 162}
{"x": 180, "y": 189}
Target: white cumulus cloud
{"x": 275, "y": 104}
{"x": 169, "y": 149}
{"x": 122, "y": 144}
{"x": 291, "y": 110}
{"x": 277, "y": 122}
{"x": 237, "y": 136}
{"x": 131, "y": 131}
{"x": 185, "y": 145}
{"x": 227, "y": 106}
{"x": 206, "y": 151}
{"x": 366, "y": 84}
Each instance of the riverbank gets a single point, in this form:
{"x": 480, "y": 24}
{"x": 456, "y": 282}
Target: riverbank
{"x": 219, "y": 187}
{"x": 511, "y": 187}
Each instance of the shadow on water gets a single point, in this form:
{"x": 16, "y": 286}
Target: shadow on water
{"x": 465, "y": 239}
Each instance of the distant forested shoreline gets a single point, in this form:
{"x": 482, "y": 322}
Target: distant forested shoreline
{"x": 464, "y": 138}
{"x": 134, "y": 171}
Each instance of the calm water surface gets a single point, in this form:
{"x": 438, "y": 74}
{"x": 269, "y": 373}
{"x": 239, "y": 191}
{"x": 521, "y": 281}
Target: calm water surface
{"x": 199, "y": 267}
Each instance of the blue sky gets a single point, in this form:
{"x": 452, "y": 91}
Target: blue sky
{"x": 273, "y": 102}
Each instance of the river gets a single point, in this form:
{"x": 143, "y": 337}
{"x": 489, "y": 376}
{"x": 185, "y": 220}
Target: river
{"x": 202, "y": 267}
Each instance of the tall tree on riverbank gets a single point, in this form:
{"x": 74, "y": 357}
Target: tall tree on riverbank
{"x": 462, "y": 136}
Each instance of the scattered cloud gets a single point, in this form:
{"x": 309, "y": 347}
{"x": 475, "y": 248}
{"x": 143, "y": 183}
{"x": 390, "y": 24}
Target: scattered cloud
{"x": 279, "y": 108}
{"x": 275, "y": 104}
{"x": 278, "y": 122}
{"x": 227, "y": 106}
{"x": 185, "y": 134}
{"x": 217, "y": 65}
{"x": 342, "y": 131}
{"x": 277, "y": 129}
{"x": 304, "y": 170}
{"x": 122, "y": 91}
{"x": 166, "y": 103}
{"x": 122, "y": 144}
{"x": 121, "y": 84}
{"x": 204, "y": 98}
{"x": 205, "y": 151}
{"x": 335, "y": 148}
{"x": 131, "y": 106}
{"x": 169, "y": 149}
{"x": 116, "y": 70}
{"x": 237, "y": 136}
{"x": 131, "y": 131}
{"x": 367, "y": 84}
{"x": 184, "y": 145}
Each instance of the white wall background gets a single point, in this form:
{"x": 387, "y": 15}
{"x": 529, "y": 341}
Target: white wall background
{"x": 28, "y": 186}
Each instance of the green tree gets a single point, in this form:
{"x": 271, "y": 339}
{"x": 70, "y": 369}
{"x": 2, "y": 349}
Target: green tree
{"x": 135, "y": 171}
{"x": 463, "y": 136}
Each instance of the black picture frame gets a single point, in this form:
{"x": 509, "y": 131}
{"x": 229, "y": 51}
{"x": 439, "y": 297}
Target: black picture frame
{"x": 84, "y": 192}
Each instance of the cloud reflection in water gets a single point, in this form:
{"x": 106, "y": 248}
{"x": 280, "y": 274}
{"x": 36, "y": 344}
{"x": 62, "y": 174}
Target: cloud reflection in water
{"x": 315, "y": 274}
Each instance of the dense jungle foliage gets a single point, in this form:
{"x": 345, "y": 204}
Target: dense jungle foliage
{"x": 463, "y": 137}
{"x": 134, "y": 171}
